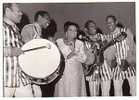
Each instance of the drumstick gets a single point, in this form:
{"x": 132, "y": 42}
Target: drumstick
{"x": 41, "y": 47}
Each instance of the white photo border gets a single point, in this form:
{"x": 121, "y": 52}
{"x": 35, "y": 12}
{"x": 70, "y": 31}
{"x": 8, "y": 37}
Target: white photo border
{"x": 70, "y": 1}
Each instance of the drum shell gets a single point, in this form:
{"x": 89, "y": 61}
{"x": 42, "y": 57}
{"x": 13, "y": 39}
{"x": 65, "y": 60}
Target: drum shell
{"x": 53, "y": 75}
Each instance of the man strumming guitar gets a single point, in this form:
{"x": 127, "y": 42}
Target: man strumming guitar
{"x": 124, "y": 57}
{"x": 95, "y": 70}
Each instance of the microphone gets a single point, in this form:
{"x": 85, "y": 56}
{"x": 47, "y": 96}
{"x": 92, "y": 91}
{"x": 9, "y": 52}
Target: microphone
{"x": 84, "y": 38}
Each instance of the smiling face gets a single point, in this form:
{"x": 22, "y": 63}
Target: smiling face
{"x": 14, "y": 13}
{"x": 92, "y": 28}
{"x": 111, "y": 24}
{"x": 71, "y": 32}
{"x": 44, "y": 21}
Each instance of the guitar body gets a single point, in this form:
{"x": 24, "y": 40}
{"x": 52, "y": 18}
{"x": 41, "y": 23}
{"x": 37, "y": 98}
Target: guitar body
{"x": 91, "y": 58}
{"x": 98, "y": 55}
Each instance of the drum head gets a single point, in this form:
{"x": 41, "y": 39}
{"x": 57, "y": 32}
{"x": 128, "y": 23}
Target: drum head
{"x": 42, "y": 62}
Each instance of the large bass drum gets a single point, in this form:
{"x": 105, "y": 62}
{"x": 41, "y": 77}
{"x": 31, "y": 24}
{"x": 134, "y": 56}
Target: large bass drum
{"x": 41, "y": 61}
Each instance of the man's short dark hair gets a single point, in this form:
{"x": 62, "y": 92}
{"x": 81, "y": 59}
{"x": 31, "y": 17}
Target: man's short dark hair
{"x": 111, "y": 16}
{"x": 6, "y": 5}
{"x": 119, "y": 24}
{"x": 88, "y": 22}
{"x": 41, "y": 13}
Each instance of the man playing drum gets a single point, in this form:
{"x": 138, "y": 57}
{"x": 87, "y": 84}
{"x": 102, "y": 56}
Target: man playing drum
{"x": 16, "y": 84}
{"x": 34, "y": 31}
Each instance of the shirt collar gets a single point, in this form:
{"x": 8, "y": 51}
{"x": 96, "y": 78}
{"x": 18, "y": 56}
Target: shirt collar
{"x": 116, "y": 31}
{"x": 8, "y": 21}
{"x": 38, "y": 27}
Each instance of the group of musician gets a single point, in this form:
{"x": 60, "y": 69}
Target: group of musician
{"x": 81, "y": 51}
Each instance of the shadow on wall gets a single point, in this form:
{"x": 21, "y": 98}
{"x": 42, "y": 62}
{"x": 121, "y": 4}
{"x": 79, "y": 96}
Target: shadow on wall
{"x": 24, "y": 21}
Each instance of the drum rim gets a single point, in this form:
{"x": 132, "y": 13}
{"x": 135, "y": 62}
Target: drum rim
{"x": 56, "y": 73}
{"x": 43, "y": 80}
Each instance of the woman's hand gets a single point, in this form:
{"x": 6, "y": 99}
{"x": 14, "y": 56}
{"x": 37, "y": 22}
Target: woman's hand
{"x": 71, "y": 54}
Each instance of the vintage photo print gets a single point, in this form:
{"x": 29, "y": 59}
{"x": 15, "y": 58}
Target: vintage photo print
{"x": 68, "y": 49}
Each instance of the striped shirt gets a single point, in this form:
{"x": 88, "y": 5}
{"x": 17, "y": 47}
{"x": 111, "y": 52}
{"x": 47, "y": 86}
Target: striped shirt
{"x": 122, "y": 49}
{"x": 12, "y": 71}
{"x": 104, "y": 71}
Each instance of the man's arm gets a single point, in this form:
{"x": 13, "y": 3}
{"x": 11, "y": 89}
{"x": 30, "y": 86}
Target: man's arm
{"x": 10, "y": 52}
{"x": 27, "y": 33}
{"x": 131, "y": 55}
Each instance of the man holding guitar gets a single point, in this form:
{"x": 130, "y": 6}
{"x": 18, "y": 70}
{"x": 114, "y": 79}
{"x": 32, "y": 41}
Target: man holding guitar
{"x": 97, "y": 72}
{"x": 123, "y": 59}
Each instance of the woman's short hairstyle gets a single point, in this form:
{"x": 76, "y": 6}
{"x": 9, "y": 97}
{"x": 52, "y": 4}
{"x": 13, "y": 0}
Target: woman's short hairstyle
{"x": 69, "y": 23}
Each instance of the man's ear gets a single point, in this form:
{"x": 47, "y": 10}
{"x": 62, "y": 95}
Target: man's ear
{"x": 116, "y": 22}
{"x": 7, "y": 10}
{"x": 85, "y": 29}
{"x": 39, "y": 17}
{"x": 66, "y": 34}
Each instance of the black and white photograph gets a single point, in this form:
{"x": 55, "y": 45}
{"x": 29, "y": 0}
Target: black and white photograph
{"x": 69, "y": 49}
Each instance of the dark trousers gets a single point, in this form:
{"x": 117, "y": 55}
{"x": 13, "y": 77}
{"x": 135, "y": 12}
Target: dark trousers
{"x": 48, "y": 90}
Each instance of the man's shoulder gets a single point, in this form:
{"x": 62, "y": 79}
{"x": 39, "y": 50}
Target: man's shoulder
{"x": 28, "y": 26}
{"x": 127, "y": 31}
{"x": 5, "y": 25}
{"x": 27, "y": 29}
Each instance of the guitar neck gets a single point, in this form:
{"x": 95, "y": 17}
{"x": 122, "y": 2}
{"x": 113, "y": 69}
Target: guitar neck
{"x": 112, "y": 42}
{"x": 119, "y": 38}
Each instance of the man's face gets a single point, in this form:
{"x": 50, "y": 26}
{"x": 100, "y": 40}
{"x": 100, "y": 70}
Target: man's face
{"x": 44, "y": 21}
{"x": 111, "y": 24}
{"x": 14, "y": 13}
{"x": 92, "y": 28}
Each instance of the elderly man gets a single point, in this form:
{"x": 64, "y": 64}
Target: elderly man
{"x": 16, "y": 83}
